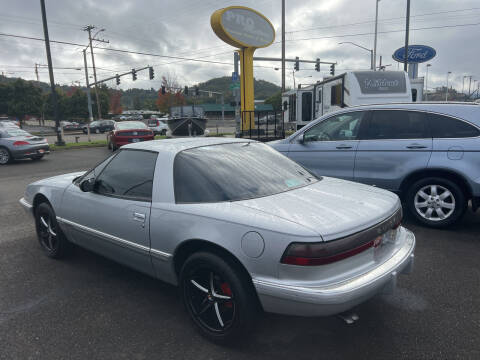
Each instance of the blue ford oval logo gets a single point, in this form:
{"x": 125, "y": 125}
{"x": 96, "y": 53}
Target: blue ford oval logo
{"x": 416, "y": 54}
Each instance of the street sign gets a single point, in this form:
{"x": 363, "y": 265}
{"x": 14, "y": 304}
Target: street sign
{"x": 235, "y": 76}
{"x": 235, "y": 85}
{"x": 416, "y": 54}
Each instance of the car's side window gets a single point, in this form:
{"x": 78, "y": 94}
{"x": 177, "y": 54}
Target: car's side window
{"x": 95, "y": 171}
{"x": 129, "y": 174}
{"x": 397, "y": 124}
{"x": 336, "y": 128}
{"x": 447, "y": 127}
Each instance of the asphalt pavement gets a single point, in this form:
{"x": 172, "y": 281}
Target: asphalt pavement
{"x": 88, "y": 307}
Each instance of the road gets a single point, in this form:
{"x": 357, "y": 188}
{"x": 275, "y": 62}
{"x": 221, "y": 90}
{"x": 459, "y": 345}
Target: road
{"x": 90, "y": 307}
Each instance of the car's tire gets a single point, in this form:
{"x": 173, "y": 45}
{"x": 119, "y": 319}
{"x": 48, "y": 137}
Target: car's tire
{"x": 109, "y": 145}
{"x": 5, "y": 156}
{"x": 52, "y": 240}
{"x": 164, "y": 132}
{"x": 436, "y": 202}
{"x": 85, "y": 131}
{"x": 114, "y": 147}
{"x": 219, "y": 319}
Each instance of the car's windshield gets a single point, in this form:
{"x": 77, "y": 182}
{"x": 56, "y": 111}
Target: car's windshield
{"x": 237, "y": 171}
{"x": 131, "y": 125}
{"x": 13, "y": 132}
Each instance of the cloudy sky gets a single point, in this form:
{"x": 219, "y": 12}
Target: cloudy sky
{"x": 182, "y": 28}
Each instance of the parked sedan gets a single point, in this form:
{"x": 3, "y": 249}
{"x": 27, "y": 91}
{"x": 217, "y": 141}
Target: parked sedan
{"x": 428, "y": 153}
{"x": 16, "y": 144}
{"x": 128, "y": 132}
{"x": 236, "y": 225}
{"x": 99, "y": 126}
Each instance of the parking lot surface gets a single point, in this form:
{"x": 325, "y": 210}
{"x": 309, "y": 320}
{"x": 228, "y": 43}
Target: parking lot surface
{"x": 89, "y": 307}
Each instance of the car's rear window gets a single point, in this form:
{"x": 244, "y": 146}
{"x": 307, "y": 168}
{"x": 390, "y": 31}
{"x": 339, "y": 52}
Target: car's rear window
{"x": 238, "y": 171}
{"x": 131, "y": 125}
{"x": 13, "y": 132}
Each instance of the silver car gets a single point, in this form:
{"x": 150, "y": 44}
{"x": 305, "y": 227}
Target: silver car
{"x": 235, "y": 224}
{"x": 16, "y": 144}
{"x": 428, "y": 153}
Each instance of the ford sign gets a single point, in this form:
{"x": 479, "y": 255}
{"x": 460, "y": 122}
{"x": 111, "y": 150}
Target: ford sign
{"x": 416, "y": 54}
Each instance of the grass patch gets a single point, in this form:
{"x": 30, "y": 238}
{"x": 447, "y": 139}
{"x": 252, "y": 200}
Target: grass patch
{"x": 214, "y": 134}
{"x": 160, "y": 137}
{"x": 81, "y": 144}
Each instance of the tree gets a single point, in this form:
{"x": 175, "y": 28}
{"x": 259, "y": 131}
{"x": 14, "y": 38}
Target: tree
{"x": 173, "y": 95}
{"x": 275, "y": 100}
{"x": 23, "y": 98}
{"x": 116, "y": 102}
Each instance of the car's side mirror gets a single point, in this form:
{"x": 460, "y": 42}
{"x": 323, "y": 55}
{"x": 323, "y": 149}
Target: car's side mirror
{"x": 87, "y": 185}
{"x": 301, "y": 139}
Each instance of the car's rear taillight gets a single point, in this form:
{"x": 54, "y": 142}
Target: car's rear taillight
{"x": 322, "y": 253}
{"x": 21, "y": 143}
{"x": 311, "y": 254}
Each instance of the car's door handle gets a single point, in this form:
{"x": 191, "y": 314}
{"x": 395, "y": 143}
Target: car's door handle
{"x": 139, "y": 217}
{"x": 416, "y": 146}
{"x": 340, "y": 147}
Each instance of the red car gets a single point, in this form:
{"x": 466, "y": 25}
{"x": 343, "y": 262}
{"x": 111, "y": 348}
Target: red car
{"x": 127, "y": 132}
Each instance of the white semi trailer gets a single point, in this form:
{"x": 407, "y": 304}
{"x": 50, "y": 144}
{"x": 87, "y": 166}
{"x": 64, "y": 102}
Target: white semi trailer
{"x": 348, "y": 89}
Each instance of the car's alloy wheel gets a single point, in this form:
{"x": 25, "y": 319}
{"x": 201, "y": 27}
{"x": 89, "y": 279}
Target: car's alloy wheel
{"x": 211, "y": 300}
{"x": 50, "y": 236}
{"x": 436, "y": 202}
{"x": 4, "y": 156}
{"x": 97, "y": 131}
{"x": 218, "y": 297}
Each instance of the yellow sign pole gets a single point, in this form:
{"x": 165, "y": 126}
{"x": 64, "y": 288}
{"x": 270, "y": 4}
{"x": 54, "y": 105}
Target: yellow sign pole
{"x": 247, "y": 30}
{"x": 247, "y": 88}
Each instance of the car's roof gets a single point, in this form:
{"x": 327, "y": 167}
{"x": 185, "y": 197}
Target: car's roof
{"x": 465, "y": 110}
{"x": 180, "y": 144}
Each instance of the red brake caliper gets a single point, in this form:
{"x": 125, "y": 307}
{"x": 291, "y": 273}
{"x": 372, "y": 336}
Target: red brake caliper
{"x": 226, "y": 291}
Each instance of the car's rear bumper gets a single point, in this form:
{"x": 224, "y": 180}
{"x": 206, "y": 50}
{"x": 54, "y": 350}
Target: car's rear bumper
{"x": 25, "y": 152}
{"x": 26, "y": 206}
{"x": 293, "y": 299}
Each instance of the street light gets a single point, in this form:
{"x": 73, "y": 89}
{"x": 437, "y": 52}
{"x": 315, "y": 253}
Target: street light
{"x": 372, "y": 57}
{"x": 446, "y": 92}
{"x": 426, "y": 83}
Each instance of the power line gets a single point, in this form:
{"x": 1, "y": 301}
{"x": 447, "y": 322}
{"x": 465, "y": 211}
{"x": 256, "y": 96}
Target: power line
{"x": 383, "y": 32}
{"x": 383, "y": 20}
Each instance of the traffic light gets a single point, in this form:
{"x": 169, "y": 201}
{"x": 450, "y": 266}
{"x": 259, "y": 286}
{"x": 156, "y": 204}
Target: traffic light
{"x": 134, "y": 74}
{"x": 117, "y": 79}
{"x": 197, "y": 91}
{"x": 151, "y": 73}
{"x": 332, "y": 69}
{"x": 297, "y": 63}
{"x": 185, "y": 91}
{"x": 163, "y": 90}
{"x": 317, "y": 65}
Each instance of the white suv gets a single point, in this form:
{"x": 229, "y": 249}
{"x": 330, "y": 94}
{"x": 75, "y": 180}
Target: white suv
{"x": 158, "y": 126}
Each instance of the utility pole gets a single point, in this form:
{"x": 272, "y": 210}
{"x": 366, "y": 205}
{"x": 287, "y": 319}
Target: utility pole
{"x": 446, "y": 92}
{"x": 283, "y": 47}
{"x": 407, "y": 29}
{"x": 426, "y": 83}
{"x": 36, "y": 71}
{"x": 469, "y": 84}
{"x": 60, "y": 141}
{"x": 89, "y": 96}
{"x": 236, "y": 60}
{"x": 89, "y": 28}
{"x": 375, "y": 41}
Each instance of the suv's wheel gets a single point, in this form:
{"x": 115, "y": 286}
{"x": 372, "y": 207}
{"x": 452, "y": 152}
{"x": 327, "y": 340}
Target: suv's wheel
{"x": 436, "y": 202}
{"x": 50, "y": 236}
{"x": 5, "y": 156}
{"x": 218, "y": 297}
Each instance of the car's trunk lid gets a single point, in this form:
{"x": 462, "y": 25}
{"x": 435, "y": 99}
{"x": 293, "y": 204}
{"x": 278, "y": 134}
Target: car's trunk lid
{"x": 333, "y": 208}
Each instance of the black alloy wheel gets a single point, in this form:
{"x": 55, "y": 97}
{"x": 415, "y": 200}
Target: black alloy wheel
{"x": 50, "y": 236}
{"x": 219, "y": 300}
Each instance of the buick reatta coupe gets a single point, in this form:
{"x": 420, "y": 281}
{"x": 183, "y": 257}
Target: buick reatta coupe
{"x": 236, "y": 225}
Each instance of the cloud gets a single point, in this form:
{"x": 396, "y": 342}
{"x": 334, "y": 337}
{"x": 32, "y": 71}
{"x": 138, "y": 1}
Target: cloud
{"x": 182, "y": 28}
